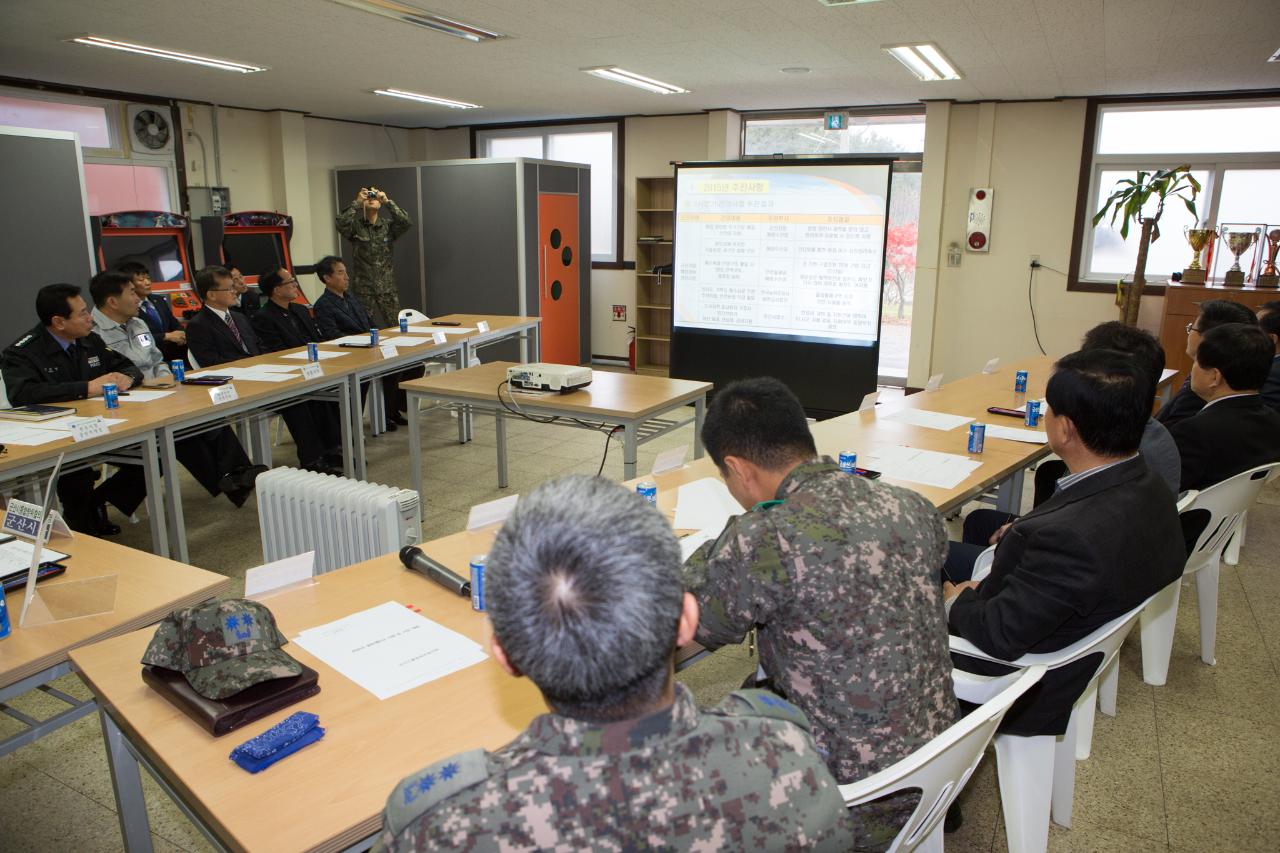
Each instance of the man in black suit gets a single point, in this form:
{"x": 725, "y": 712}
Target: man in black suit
{"x": 217, "y": 334}
{"x": 1215, "y": 312}
{"x": 61, "y": 360}
{"x": 1107, "y": 540}
{"x": 1269, "y": 322}
{"x": 156, "y": 312}
{"x": 248, "y": 301}
{"x": 1235, "y": 431}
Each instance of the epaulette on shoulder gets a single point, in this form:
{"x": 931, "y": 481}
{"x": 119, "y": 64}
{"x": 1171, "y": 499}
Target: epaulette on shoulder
{"x": 418, "y": 793}
{"x": 762, "y": 703}
{"x": 24, "y": 340}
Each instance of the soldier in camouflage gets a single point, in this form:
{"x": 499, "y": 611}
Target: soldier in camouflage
{"x": 585, "y": 598}
{"x": 839, "y": 575}
{"x": 221, "y": 647}
{"x": 373, "y": 277}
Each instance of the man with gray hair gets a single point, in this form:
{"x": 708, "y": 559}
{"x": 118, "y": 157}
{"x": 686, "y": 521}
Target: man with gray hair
{"x": 585, "y": 596}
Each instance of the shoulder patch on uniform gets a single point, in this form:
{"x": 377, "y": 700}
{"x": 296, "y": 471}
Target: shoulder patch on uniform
{"x": 418, "y": 793}
{"x": 762, "y": 703}
{"x": 23, "y": 341}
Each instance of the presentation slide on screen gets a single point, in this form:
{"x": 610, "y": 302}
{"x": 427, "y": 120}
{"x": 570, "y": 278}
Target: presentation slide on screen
{"x": 788, "y": 251}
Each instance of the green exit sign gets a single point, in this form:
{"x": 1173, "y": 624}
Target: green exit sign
{"x": 835, "y": 121}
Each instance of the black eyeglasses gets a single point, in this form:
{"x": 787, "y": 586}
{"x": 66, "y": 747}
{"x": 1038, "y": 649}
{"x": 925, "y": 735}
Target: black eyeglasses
{"x": 1191, "y": 327}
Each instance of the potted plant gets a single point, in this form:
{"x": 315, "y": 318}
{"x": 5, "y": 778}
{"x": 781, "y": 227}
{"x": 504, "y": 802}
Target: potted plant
{"x": 1128, "y": 201}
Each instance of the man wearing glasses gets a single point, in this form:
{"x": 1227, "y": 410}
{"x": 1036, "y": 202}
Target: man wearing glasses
{"x": 1214, "y": 313}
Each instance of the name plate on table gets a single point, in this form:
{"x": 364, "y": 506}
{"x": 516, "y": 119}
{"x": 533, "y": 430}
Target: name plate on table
{"x": 312, "y": 370}
{"x": 493, "y": 512}
{"x": 23, "y": 519}
{"x": 869, "y": 401}
{"x": 482, "y": 326}
{"x": 224, "y": 394}
{"x": 669, "y": 460}
{"x": 935, "y": 382}
{"x": 991, "y": 365}
{"x": 440, "y": 337}
{"x": 388, "y": 351}
{"x": 94, "y": 427}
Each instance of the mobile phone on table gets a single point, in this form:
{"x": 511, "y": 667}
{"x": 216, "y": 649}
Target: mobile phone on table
{"x": 1012, "y": 413}
{"x": 18, "y": 579}
{"x": 445, "y": 323}
{"x": 357, "y": 346}
{"x": 867, "y": 472}
{"x": 208, "y": 380}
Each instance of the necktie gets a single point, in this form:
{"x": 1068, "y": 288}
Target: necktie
{"x": 235, "y": 332}
{"x": 151, "y": 311}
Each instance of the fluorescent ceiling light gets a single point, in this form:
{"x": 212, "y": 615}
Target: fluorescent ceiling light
{"x": 420, "y": 17}
{"x": 924, "y": 60}
{"x": 845, "y": 2}
{"x": 619, "y": 75}
{"x": 161, "y": 53}
{"x": 427, "y": 99}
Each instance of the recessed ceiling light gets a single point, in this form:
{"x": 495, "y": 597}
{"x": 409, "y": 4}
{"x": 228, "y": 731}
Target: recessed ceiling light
{"x": 161, "y": 53}
{"x": 427, "y": 99}
{"x": 420, "y": 17}
{"x": 795, "y": 69}
{"x": 630, "y": 78}
{"x": 924, "y": 60}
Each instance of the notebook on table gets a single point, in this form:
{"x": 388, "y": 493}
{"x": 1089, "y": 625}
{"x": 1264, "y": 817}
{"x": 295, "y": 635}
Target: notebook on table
{"x": 219, "y": 716}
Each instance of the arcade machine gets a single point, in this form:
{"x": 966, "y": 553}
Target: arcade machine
{"x": 160, "y": 241}
{"x": 250, "y": 241}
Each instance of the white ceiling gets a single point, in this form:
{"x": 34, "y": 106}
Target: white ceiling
{"x": 325, "y": 58}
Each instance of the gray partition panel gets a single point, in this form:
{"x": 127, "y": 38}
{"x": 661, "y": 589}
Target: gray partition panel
{"x": 46, "y": 239}
{"x": 400, "y": 183}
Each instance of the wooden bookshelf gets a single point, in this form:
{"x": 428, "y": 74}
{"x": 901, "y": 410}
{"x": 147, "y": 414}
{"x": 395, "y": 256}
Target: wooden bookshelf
{"x": 655, "y": 217}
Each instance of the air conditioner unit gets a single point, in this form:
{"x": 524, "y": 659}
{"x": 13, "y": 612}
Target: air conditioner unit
{"x": 344, "y": 521}
{"x": 150, "y": 129}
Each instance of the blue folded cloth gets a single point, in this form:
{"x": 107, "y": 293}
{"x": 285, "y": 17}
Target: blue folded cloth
{"x": 277, "y": 742}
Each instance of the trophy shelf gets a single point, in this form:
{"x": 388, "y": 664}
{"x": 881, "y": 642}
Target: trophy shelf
{"x": 1180, "y": 308}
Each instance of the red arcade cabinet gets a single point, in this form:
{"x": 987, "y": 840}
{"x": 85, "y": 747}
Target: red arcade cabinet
{"x": 156, "y": 239}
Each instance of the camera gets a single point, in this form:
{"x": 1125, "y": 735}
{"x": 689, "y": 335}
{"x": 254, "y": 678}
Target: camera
{"x": 371, "y": 193}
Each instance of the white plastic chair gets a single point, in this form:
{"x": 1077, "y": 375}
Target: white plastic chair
{"x": 191, "y": 360}
{"x": 413, "y": 316}
{"x": 1226, "y": 503}
{"x": 4, "y": 395}
{"x": 1231, "y": 556}
{"x": 941, "y": 768}
{"x": 1038, "y": 774}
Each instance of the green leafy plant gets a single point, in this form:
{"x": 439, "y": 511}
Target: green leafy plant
{"x": 1126, "y": 203}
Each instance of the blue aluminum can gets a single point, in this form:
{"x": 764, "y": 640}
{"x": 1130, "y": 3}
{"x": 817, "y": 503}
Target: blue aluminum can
{"x": 1033, "y": 413}
{"x": 649, "y": 491}
{"x": 477, "y": 581}
{"x": 313, "y": 352}
{"x": 848, "y": 462}
{"x": 1020, "y": 381}
{"x": 977, "y": 437}
{"x": 111, "y": 396}
{"x": 179, "y": 368}
{"x": 404, "y": 325}
{"x": 373, "y": 337}
{"x": 4, "y": 618}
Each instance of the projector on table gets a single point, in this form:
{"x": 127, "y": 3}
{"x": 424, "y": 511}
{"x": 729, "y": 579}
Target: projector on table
{"x": 541, "y": 376}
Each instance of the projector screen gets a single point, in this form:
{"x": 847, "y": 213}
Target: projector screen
{"x": 791, "y": 252}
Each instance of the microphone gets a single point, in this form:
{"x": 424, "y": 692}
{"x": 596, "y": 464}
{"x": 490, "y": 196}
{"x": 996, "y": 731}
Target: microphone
{"x": 414, "y": 559}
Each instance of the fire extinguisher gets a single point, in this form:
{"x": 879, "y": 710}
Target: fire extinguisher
{"x": 631, "y": 348}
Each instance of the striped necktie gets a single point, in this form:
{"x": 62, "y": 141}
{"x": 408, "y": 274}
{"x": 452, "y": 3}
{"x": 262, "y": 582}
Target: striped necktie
{"x": 235, "y": 332}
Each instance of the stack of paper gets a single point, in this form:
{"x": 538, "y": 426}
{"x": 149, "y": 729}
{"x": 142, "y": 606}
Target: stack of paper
{"x": 15, "y": 556}
{"x": 925, "y": 418}
{"x": 928, "y": 467}
{"x": 389, "y": 649}
{"x": 448, "y": 330}
{"x": 705, "y": 505}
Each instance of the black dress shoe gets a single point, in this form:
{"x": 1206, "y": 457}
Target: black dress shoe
{"x": 323, "y": 466}
{"x": 390, "y": 426}
{"x": 396, "y": 418}
{"x": 103, "y": 523}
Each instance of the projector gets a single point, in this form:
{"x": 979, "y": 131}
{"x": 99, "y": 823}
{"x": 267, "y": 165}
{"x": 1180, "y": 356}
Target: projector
{"x": 541, "y": 376}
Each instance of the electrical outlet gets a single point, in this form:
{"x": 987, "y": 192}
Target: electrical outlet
{"x": 1033, "y": 260}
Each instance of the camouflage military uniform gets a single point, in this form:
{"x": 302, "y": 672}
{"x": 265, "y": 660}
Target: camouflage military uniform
{"x": 373, "y": 277}
{"x": 840, "y": 574}
{"x": 221, "y": 647}
{"x": 741, "y": 776}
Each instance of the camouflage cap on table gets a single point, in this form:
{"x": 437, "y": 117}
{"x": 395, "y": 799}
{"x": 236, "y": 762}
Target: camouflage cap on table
{"x": 221, "y": 647}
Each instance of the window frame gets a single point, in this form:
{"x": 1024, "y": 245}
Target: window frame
{"x": 819, "y": 112}
{"x": 482, "y": 133}
{"x": 113, "y": 109}
{"x": 1093, "y": 164}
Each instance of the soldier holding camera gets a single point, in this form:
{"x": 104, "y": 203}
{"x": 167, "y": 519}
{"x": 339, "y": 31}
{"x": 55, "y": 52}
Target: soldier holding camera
{"x": 372, "y": 271}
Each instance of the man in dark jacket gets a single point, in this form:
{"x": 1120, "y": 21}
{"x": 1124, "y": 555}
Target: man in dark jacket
{"x": 1106, "y": 541}
{"x": 1215, "y": 312}
{"x": 61, "y": 360}
{"x": 1269, "y": 322}
{"x": 156, "y": 312}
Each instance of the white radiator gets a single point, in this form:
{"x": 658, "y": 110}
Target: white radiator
{"x": 344, "y": 521}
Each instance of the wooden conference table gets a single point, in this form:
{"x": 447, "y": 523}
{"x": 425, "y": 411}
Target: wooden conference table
{"x": 147, "y": 587}
{"x": 634, "y": 402}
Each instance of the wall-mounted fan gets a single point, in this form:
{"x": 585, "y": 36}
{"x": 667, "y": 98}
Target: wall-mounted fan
{"x": 150, "y": 129}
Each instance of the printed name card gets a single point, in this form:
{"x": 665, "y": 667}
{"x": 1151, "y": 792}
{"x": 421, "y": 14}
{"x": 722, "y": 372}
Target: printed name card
{"x": 312, "y": 370}
{"x": 991, "y": 366}
{"x": 669, "y": 460}
{"x": 440, "y": 337}
{"x": 869, "y": 401}
{"x": 22, "y": 518}
{"x": 94, "y": 427}
{"x": 224, "y": 393}
{"x": 493, "y": 512}
{"x": 482, "y": 326}
{"x": 935, "y": 382}
{"x": 388, "y": 351}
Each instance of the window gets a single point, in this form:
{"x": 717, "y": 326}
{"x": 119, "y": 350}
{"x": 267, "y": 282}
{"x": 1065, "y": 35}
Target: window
{"x": 91, "y": 121}
{"x": 806, "y": 134}
{"x": 593, "y": 144}
{"x": 1233, "y": 148}
{"x": 114, "y": 187}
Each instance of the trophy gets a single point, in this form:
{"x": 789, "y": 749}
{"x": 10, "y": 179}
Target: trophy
{"x": 1270, "y": 276}
{"x": 1238, "y": 242}
{"x": 1198, "y": 238}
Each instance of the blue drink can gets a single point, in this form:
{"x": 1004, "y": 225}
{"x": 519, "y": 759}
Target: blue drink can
{"x": 848, "y": 462}
{"x": 313, "y": 352}
{"x": 1033, "y": 413}
{"x": 477, "y": 581}
{"x": 373, "y": 337}
{"x": 4, "y": 618}
{"x": 1020, "y": 381}
{"x": 179, "y": 368}
{"x": 404, "y": 325}
{"x": 649, "y": 491}
{"x": 977, "y": 437}
{"x": 111, "y": 396}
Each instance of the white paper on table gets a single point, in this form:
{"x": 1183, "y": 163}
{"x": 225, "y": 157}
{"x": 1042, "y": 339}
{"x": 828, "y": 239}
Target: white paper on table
{"x": 251, "y": 374}
{"x": 27, "y": 436}
{"x": 15, "y": 556}
{"x": 1166, "y": 374}
{"x": 349, "y": 339}
{"x": 869, "y": 401}
{"x": 448, "y": 330}
{"x": 280, "y": 573}
{"x": 991, "y": 365}
{"x": 669, "y": 460}
{"x": 704, "y": 504}
{"x": 694, "y": 541}
{"x": 1022, "y": 407}
{"x": 928, "y": 467}
{"x": 1030, "y": 436}
{"x": 302, "y": 356}
{"x": 389, "y": 649}
{"x": 275, "y": 368}
{"x": 934, "y": 383}
{"x": 492, "y": 512}
{"x": 64, "y": 424}
{"x": 143, "y": 395}
{"x": 405, "y": 341}
{"x": 926, "y": 418}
